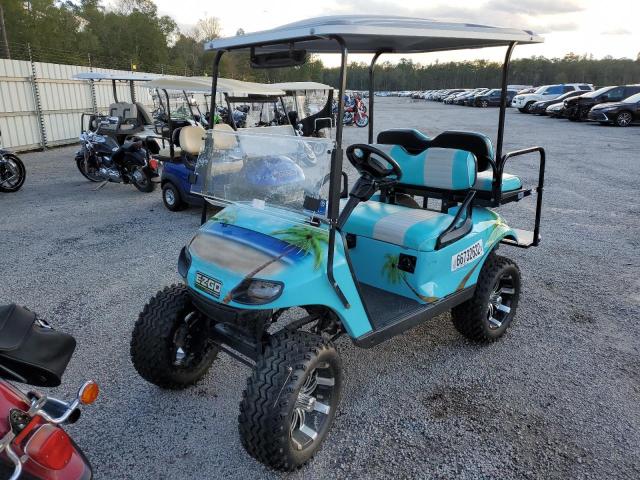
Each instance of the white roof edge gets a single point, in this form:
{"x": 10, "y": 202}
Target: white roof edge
{"x": 123, "y": 76}
{"x": 350, "y": 27}
{"x": 301, "y": 86}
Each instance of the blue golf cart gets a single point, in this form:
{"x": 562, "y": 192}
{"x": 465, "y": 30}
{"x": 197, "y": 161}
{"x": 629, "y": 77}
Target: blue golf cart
{"x": 282, "y": 109}
{"x": 368, "y": 264}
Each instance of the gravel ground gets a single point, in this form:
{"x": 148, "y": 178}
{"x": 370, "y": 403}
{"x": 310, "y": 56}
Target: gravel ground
{"x": 557, "y": 397}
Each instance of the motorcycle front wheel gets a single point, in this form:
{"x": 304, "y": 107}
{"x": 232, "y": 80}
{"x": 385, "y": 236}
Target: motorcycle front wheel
{"x": 12, "y": 174}
{"x": 88, "y": 172}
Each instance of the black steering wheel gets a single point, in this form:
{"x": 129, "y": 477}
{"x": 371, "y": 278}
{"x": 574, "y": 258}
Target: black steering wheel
{"x": 361, "y": 157}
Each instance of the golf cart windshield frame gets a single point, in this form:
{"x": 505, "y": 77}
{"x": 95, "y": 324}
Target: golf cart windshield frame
{"x": 270, "y": 41}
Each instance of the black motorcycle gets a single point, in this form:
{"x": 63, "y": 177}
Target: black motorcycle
{"x": 12, "y": 172}
{"x": 101, "y": 159}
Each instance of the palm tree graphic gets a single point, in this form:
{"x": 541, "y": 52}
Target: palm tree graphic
{"x": 225, "y": 217}
{"x": 302, "y": 238}
{"x": 391, "y": 270}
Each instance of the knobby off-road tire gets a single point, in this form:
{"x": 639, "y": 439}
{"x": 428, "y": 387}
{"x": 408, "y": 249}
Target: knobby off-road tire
{"x": 270, "y": 421}
{"x": 168, "y": 318}
{"x": 484, "y": 318}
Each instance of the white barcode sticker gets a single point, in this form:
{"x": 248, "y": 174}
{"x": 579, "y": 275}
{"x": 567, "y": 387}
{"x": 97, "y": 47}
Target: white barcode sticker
{"x": 467, "y": 255}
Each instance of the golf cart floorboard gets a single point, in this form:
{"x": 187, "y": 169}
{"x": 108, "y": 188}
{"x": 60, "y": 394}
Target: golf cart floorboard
{"x": 384, "y": 307}
{"x": 392, "y": 314}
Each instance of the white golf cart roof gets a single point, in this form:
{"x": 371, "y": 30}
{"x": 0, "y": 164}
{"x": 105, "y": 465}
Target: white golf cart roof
{"x": 122, "y": 76}
{"x": 237, "y": 88}
{"x": 301, "y": 86}
{"x": 374, "y": 33}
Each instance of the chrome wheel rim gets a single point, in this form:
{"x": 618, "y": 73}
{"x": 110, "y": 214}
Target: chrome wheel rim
{"x": 312, "y": 408}
{"x": 501, "y": 301}
{"x": 11, "y": 176}
{"x": 624, "y": 119}
{"x": 169, "y": 197}
{"x": 189, "y": 343}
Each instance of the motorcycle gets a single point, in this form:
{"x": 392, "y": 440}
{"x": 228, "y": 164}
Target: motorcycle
{"x": 101, "y": 159}
{"x": 355, "y": 113}
{"x": 12, "y": 172}
{"x": 32, "y": 441}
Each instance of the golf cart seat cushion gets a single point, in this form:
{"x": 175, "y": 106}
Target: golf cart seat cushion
{"x": 440, "y": 168}
{"x": 485, "y": 179}
{"x": 412, "y": 228}
{"x": 228, "y": 139}
{"x": 192, "y": 139}
{"x": 477, "y": 143}
{"x": 411, "y": 139}
{"x": 125, "y": 111}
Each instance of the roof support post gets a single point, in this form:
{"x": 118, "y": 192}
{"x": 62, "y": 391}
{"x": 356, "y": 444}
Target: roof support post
{"x": 336, "y": 174}
{"x": 372, "y": 91}
{"x": 212, "y": 122}
{"x": 503, "y": 101}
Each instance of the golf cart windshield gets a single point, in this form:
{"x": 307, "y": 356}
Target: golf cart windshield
{"x": 262, "y": 171}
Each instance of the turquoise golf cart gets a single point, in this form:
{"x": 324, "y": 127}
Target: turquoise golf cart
{"x": 292, "y": 264}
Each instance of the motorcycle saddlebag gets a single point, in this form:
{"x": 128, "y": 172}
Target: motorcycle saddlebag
{"x": 30, "y": 350}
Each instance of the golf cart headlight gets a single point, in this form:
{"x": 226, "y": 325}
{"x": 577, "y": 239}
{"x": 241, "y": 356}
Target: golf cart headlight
{"x": 259, "y": 292}
{"x": 184, "y": 262}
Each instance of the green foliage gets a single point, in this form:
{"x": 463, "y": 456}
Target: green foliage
{"x": 307, "y": 239}
{"x": 83, "y": 32}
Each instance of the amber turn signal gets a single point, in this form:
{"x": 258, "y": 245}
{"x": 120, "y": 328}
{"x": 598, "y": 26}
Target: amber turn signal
{"x": 89, "y": 393}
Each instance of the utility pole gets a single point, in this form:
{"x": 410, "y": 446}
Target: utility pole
{"x": 3, "y": 29}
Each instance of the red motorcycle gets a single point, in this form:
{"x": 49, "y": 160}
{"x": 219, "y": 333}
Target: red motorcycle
{"x": 32, "y": 441}
{"x": 356, "y": 113}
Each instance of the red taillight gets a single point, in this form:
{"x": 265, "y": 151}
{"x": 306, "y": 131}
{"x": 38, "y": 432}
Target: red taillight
{"x": 153, "y": 163}
{"x": 50, "y": 447}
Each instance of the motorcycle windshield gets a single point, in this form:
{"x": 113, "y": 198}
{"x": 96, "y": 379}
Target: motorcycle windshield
{"x": 264, "y": 170}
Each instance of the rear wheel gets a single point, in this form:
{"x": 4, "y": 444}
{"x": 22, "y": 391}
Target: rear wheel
{"x": 487, "y": 315}
{"x": 624, "y": 119}
{"x": 12, "y": 173}
{"x": 484, "y": 104}
{"x": 171, "y": 197}
{"x": 141, "y": 179}
{"x": 362, "y": 120}
{"x": 170, "y": 345}
{"x": 290, "y": 400}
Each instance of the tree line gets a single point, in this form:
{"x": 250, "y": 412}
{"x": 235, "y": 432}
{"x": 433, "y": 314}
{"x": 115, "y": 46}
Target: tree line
{"x": 134, "y": 36}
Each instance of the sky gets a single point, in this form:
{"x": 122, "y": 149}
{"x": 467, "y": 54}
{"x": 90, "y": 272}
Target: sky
{"x": 595, "y": 27}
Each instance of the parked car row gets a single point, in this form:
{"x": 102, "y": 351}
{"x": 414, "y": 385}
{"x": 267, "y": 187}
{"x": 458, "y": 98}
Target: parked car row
{"x": 471, "y": 97}
{"x": 615, "y": 105}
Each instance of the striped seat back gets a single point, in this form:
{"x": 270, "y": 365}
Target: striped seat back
{"x": 438, "y": 168}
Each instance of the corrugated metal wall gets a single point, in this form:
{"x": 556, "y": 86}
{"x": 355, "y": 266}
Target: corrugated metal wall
{"x": 41, "y": 106}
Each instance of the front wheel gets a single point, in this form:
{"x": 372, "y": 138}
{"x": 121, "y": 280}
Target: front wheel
{"x": 624, "y": 119}
{"x": 12, "y": 173}
{"x": 528, "y": 107}
{"x": 487, "y": 315}
{"x": 171, "y": 197}
{"x": 484, "y": 104}
{"x": 88, "y": 171}
{"x": 290, "y": 400}
{"x": 170, "y": 344}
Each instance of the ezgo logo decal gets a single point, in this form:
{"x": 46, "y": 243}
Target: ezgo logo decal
{"x": 467, "y": 255}
{"x": 208, "y": 284}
